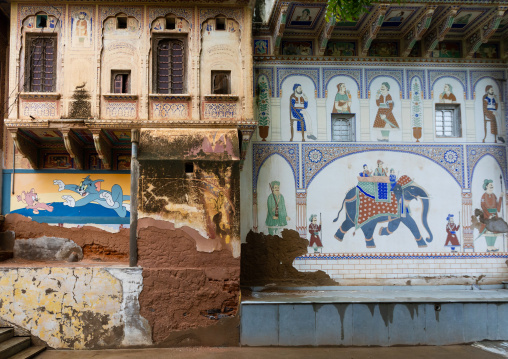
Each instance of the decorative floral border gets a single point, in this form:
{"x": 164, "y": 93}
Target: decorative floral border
{"x": 262, "y": 151}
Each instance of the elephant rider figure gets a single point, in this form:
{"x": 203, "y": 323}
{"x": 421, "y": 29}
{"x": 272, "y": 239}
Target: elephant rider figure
{"x": 490, "y": 206}
{"x": 451, "y": 230}
{"x": 364, "y": 210}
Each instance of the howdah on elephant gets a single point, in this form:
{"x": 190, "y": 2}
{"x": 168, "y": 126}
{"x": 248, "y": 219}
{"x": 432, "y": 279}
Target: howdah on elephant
{"x": 371, "y": 203}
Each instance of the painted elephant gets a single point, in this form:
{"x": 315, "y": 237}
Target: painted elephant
{"x": 404, "y": 194}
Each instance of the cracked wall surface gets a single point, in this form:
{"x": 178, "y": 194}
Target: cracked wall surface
{"x": 75, "y": 308}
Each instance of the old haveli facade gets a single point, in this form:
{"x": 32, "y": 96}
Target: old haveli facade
{"x": 128, "y": 132}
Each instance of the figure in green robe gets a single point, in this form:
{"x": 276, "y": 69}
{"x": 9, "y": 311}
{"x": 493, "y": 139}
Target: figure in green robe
{"x": 277, "y": 215}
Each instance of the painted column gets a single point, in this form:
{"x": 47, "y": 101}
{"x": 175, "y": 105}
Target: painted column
{"x": 468, "y": 124}
{"x": 467, "y": 211}
{"x": 428, "y": 121}
{"x": 365, "y": 120}
{"x": 276, "y": 120}
{"x": 301, "y": 213}
{"x": 255, "y": 211}
{"x": 406, "y": 121}
{"x": 321, "y": 120}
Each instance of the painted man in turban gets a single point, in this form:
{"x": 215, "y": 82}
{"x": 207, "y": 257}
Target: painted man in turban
{"x": 298, "y": 104}
{"x": 277, "y": 215}
{"x": 490, "y": 105}
{"x": 490, "y": 206}
{"x": 385, "y": 121}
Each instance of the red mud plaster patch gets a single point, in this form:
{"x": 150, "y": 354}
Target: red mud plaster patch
{"x": 96, "y": 243}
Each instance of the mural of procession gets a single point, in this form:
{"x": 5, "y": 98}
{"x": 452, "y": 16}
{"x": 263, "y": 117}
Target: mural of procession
{"x": 383, "y": 201}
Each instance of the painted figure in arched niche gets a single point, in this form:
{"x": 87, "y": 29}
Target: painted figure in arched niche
{"x": 490, "y": 105}
{"x": 342, "y": 103}
{"x": 298, "y": 103}
{"x": 82, "y": 25}
{"x": 385, "y": 121}
{"x": 277, "y": 217}
{"x": 447, "y": 95}
{"x": 490, "y": 207}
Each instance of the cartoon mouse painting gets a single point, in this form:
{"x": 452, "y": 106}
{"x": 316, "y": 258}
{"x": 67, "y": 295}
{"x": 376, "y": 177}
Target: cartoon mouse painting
{"x": 32, "y": 202}
{"x": 91, "y": 191}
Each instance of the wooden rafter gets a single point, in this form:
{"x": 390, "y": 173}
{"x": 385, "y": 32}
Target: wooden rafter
{"x": 279, "y": 30}
{"x": 371, "y": 31}
{"x": 484, "y": 31}
{"x": 415, "y": 33}
{"x": 439, "y": 31}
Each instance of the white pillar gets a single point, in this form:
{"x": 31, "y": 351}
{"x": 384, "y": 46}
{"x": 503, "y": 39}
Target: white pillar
{"x": 468, "y": 125}
{"x": 428, "y": 121}
{"x": 276, "y": 120}
{"x": 365, "y": 128}
{"x": 322, "y": 120}
{"x": 407, "y": 128}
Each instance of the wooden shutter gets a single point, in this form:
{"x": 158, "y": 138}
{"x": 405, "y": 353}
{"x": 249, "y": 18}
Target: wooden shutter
{"x": 42, "y": 65}
{"x": 163, "y": 67}
{"x": 177, "y": 67}
{"x": 170, "y": 67}
{"x": 118, "y": 83}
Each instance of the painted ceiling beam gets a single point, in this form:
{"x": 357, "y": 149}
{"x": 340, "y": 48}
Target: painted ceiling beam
{"x": 26, "y": 147}
{"x": 414, "y": 34}
{"x": 74, "y": 147}
{"x": 325, "y": 35}
{"x": 103, "y": 148}
{"x": 482, "y": 34}
{"x": 439, "y": 31}
{"x": 279, "y": 29}
{"x": 371, "y": 32}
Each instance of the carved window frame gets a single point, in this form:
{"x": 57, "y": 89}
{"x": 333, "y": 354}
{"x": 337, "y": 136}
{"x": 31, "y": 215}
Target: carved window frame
{"x": 41, "y": 56}
{"x": 175, "y": 63}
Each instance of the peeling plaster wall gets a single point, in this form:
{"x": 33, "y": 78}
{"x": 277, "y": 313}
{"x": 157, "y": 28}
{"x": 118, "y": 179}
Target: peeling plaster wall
{"x": 75, "y": 308}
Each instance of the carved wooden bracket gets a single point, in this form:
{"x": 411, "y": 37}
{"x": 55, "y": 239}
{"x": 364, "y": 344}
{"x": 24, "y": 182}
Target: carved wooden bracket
{"x": 103, "y": 147}
{"x": 482, "y": 34}
{"x": 439, "y": 31}
{"x": 373, "y": 28}
{"x": 26, "y": 147}
{"x": 74, "y": 147}
{"x": 325, "y": 35}
{"x": 279, "y": 30}
{"x": 246, "y": 132}
{"x": 414, "y": 34}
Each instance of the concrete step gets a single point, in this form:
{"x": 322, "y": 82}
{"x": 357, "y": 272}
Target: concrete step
{"x": 13, "y": 346}
{"x": 31, "y": 352}
{"x": 4, "y": 255}
{"x": 6, "y": 334}
{"x": 373, "y": 317}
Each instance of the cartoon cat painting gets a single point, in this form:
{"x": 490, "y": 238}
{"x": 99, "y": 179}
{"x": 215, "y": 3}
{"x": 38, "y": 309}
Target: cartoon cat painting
{"x": 91, "y": 191}
{"x": 32, "y": 202}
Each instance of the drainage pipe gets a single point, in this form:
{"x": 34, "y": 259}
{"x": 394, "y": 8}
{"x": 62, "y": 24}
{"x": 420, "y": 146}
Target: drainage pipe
{"x": 133, "y": 239}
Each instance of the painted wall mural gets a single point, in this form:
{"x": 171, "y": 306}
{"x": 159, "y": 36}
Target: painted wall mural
{"x": 416, "y": 108}
{"x": 70, "y": 198}
{"x": 488, "y": 117}
{"x": 81, "y": 27}
{"x": 386, "y": 108}
{"x": 298, "y": 119}
{"x": 263, "y": 107}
